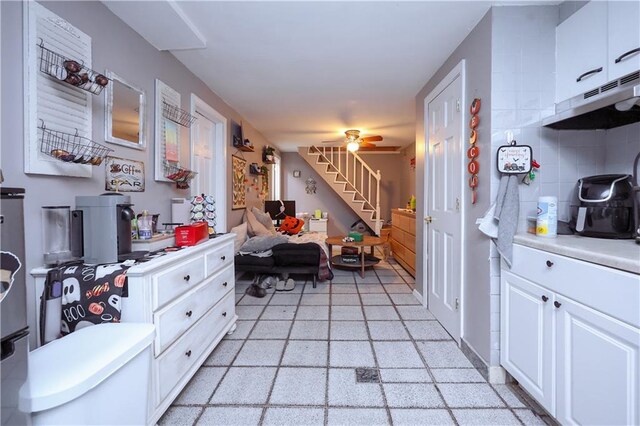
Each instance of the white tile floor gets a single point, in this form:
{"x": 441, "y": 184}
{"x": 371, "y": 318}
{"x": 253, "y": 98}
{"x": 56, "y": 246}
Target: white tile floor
{"x": 292, "y": 361}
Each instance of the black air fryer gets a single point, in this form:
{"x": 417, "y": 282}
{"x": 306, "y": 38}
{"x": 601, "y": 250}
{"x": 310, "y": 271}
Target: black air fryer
{"x": 603, "y": 207}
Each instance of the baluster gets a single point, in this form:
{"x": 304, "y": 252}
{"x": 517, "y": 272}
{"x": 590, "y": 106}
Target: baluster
{"x": 346, "y": 173}
{"x": 362, "y": 177}
{"x": 369, "y": 192}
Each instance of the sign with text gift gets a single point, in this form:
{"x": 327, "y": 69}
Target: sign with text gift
{"x": 124, "y": 175}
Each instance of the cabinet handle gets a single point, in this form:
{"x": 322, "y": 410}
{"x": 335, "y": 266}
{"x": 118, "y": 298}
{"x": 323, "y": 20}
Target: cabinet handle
{"x": 187, "y": 277}
{"x": 224, "y": 284}
{"x": 557, "y": 304}
{"x": 224, "y": 314}
{"x": 188, "y": 353}
{"x": 588, "y": 73}
{"x": 549, "y": 264}
{"x": 544, "y": 298}
{"x": 189, "y": 313}
{"x": 223, "y": 258}
{"x": 625, "y": 54}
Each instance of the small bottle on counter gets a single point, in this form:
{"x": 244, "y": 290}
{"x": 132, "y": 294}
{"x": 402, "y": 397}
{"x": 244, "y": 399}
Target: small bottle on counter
{"x": 145, "y": 225}
{"x": 547, "y": 219}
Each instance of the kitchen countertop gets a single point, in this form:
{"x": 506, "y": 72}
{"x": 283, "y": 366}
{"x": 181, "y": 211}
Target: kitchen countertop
{"x": 618, "y": 254}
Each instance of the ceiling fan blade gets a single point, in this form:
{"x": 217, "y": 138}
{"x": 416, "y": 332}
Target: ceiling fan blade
{"x": 371, "y": 139}
{"x": 338, "y": 141}
{"x": 379, "y": 149}
{"x": 367, "y": 145}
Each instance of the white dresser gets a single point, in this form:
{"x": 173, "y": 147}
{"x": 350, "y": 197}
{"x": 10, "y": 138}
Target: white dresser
{"x": 189, "y": 296}
{"x": 570, "y": 333}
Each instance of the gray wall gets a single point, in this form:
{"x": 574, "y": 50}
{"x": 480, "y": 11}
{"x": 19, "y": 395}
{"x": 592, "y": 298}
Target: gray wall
{"x": 476, "y": 50}
{"x": 340, "y": 214}
{"x": 408, "y": 187}
{"x": 118, "y": 48}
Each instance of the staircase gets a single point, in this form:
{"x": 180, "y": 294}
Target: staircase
{"x": 351, "y": 178}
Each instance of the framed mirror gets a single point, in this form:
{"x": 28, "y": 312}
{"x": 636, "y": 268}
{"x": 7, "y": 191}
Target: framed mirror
{"x": 124, "y": 122}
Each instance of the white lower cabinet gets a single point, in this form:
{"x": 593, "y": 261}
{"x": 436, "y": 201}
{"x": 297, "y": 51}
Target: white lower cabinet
{"x": 597, "y": 367}
{"x": 581, "y": 363}
{"x": 527, "y": 336}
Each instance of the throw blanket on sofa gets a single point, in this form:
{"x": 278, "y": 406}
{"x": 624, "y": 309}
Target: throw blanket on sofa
{"x": 324, "y": 272}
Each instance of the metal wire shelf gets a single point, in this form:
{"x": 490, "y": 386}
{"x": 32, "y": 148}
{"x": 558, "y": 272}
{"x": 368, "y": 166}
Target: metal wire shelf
{"x": 177, "y": 115}
{"x": 181, "y": 176}
{"x": 70, "y": 148}
{"x": 70, "y": 71}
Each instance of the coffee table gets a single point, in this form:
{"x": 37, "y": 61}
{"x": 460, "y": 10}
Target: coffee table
{"x": 365, "y": 260}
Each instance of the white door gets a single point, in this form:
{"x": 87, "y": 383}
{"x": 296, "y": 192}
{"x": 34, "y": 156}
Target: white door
{"x": 526, "y": 336}
{"x": 598, "y": 358}
{"x": 443, "y": 178}
{"x": 203, "y": 152}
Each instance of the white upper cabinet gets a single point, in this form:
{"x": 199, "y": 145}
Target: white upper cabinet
{"x": 624, "y": 38}
{"x": 581, "y": 51}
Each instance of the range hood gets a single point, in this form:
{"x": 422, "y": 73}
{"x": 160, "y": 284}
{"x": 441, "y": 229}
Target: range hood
{"x": 614, "y": 104}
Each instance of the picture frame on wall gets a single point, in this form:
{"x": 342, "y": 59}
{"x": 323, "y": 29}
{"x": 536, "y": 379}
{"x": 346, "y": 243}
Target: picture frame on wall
{"x": 239, "y": 192}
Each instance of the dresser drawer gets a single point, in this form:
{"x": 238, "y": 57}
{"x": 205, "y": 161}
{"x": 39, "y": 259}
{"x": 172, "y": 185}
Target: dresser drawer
{"x": 174, "y": 319}
{"x": 172, "y": 365}
{"x": 219, "y": 257}
{"x": 610, "y": 291}
{"x": 178, "y": 279}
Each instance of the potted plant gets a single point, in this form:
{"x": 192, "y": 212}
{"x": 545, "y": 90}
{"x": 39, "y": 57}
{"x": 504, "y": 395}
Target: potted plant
{"x": 269, "y": 154}
{"x": 264, "y": 170}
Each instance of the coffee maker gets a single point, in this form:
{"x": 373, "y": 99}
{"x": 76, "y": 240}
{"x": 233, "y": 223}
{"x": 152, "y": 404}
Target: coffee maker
{"x": 107, "y": 227}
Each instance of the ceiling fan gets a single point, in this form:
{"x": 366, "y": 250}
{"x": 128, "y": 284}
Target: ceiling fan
{"x": 354, "y": 142}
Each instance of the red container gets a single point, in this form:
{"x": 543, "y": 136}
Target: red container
{"x": 190, "y": 235}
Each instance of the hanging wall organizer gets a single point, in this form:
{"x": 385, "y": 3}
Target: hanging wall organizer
{"x": 69, "y": 148}
{"x": 63, "y": 107}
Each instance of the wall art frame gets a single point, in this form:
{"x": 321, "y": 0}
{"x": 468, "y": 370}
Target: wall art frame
{"x": 238, "y": 178}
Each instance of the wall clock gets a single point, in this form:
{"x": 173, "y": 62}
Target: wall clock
{"x": 514, "y": 159}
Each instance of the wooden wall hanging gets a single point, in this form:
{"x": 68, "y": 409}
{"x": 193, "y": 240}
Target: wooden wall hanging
{"x": 473, "y": 152}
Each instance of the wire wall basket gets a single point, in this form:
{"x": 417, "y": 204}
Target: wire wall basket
{"x": 181, "y": 176}
{"x": 70, "y": 148}
{"x": 70, "y": 71}
{"x": 177, "y": 115}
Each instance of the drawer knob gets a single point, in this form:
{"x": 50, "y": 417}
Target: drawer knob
{"x": 224, "y": 284}
{"x": 188, "y": 353}
{"x": 223, "y": 258}
{"x": 187, "y": 277}
{"x": 224, "y": 314}
{"x": 549, "y": 263}
{"x": 557, "y": 304}
{"x": 189, "y": 313}
{"x": 544, "y": 298}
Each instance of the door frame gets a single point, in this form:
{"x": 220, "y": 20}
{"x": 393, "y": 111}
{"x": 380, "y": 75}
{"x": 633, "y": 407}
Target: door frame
{"x": 220, "y": 160}
{"x": 458, "y": 71}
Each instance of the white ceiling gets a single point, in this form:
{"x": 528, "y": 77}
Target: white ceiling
{"x": 303, "y": 72}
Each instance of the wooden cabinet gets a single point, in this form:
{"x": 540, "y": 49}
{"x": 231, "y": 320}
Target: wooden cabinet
{"x": 624, "y": 38}
{"x": 596, "y": 45}
{"x": 570, "y": 334}
{"x": 527, "y": 336}
{"x": 403, "y": 239}
{"x": 581, "y": 51}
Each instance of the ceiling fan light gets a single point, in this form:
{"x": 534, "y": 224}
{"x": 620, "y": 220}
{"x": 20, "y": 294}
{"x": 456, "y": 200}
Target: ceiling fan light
{"x": 353, "y": 146}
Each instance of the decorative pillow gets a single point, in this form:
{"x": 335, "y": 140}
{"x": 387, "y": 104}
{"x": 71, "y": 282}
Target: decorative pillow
{"x": 264, "y": 219}
{"x": 241, "y": 236}
{"x": 255, "y": 228}
{"x": 264, "y": 243}
{"x": 291, "y": 225}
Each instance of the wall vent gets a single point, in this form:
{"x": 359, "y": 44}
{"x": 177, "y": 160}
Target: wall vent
{"x": 609, "y": 86}
{"x": 631, "y": 77}
{"x": 591, "y": 93}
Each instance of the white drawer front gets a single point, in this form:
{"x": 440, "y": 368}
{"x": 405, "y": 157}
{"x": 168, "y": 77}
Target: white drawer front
{"x": 175, "y": 281}
{"x": 174, "y": 319}
{"x": 608, "y": 290}
{"x": 185, "y": 353}
{"x": 219, "y": 257}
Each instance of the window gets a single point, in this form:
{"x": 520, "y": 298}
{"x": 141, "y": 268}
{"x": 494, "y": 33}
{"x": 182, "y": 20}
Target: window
{"x": 275, "y": 178}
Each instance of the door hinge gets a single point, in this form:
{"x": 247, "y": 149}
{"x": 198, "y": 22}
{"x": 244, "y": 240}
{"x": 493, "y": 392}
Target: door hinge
{"x": 428, "y": 219}
{"x": 457, "y": 303}
{"x": 458, "y": 105}
{"x": 457, "y": 204}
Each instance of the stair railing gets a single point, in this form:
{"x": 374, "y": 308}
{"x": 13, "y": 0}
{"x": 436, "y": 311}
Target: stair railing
{"x": 357, "y": 173}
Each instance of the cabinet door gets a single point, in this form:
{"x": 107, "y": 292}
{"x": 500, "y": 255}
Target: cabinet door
{"x": 581, "y": 50}
{"x": 597, "y": 367}
{"x": 624, "y": 38}
{"x": 526, "y": 336}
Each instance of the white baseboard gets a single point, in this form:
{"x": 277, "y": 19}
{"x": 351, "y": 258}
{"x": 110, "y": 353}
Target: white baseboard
{"x": 497, "y": 375}
{"x": 418, "y": 296}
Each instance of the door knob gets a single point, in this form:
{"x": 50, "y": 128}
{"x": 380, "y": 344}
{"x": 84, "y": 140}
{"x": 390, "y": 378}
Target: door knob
{"x": 188, "y": 353}
{"x": 224, "y": 314}
{"x": 224, "y": 284}
{"x": 544, "y": 298}
{"x": 549, "y": 264}
{"x": 557, "y": 304}
{"x": 223, "y": 258}
{"x": 189, "y": 313}
{"x": 187, "y": 277}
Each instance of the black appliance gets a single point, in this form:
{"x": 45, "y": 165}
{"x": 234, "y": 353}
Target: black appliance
{"x": 13, "y": 304}
{"x": 603, "y": 207}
